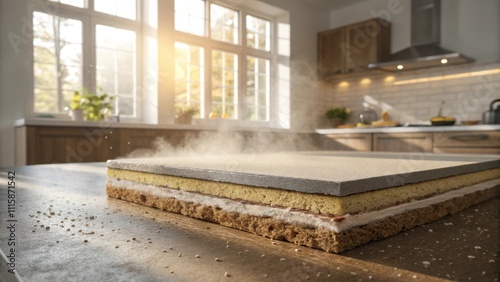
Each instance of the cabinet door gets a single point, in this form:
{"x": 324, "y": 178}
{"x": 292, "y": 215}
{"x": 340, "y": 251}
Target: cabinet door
{"x": 402, "y": 142}
{"x": 348, "y": 142}
{"x": 470, "y": 142}
{"x": 367, "y": 42}
{"x": 144, "y": 142}
{"x": 74, "y": 144}
{"x": 330, "y": 56}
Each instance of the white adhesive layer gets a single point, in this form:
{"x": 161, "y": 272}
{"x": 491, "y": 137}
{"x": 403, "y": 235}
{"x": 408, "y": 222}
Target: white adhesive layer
{"x": 297, "y": 217}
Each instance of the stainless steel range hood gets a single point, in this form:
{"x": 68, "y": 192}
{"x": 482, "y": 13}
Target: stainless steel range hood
{"x": 424, "y": 51}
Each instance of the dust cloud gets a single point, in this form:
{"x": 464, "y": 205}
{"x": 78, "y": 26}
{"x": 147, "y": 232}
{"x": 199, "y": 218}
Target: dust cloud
{"x": 220, "y": 142}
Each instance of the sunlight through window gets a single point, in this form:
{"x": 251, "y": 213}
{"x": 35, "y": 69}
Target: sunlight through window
{"x": 189, "y": 78}
{"x": 116, "y": 66}
{"x": 57, "y": 61}
{"x": 76, "y": 3}
{"x": 190, "y": 16}
{"x": 258, "y": 88}
{"x": 224, "y": 84}
{"x": 224, "y": 24}
{"x": 258, "y": 33}
{"x": 222, "y": 90}
{"x": 121, "y": 8}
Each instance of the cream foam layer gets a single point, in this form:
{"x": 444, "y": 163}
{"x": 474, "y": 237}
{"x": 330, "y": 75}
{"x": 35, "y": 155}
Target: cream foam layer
{"x": 297, "y": 217}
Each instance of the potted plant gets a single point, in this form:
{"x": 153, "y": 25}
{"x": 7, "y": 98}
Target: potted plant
{"x": 185, "y": 115}
{"x": 76, "y": 108}
{"x": 95, "y": 107}
{"x": 338, "y": 116}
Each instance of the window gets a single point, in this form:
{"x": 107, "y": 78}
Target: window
{"x": 76, "y": 3}
{"x": 222, "y": 75}
{"x": 224, "y": 24}
{"x": 86, "y": 44}
{"x": 120, "y": 8}
{"x": 257, "y": 96}
{"x": 57, "y": 59}
{"x": 258, "y": 33}
{"x": 224, "y": 84}
{"x": 116, "y": 66}
{"x": 190, "y": 16}
{"x": 189, "y": 76}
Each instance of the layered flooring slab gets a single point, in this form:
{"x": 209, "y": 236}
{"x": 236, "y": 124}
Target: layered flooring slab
{"x": 328, "y": 200}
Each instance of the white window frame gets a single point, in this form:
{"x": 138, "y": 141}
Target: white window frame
{"x": 242, "y": 50}
{"x": 90, "y": 19}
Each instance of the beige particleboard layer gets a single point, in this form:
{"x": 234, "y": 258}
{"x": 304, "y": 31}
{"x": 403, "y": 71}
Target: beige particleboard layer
{"x": 315, "y": 203}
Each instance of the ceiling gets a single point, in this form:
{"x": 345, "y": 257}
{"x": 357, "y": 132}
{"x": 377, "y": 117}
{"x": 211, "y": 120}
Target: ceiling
{"x": 333, "y": 4}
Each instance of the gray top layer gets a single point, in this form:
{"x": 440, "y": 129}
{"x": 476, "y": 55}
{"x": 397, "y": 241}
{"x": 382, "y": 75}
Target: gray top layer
{"x": 320, "y": 172}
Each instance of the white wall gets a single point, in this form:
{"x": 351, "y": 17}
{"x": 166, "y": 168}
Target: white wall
{"x": 472, "y": 28}
{"x": 16, "y": 83}
{"x": 306, "y": 92}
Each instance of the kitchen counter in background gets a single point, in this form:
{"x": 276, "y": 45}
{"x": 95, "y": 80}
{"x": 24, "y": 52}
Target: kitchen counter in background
{"x": 48, "y": 140}
{"x": 470, "y": 139}
{"x": 411, "y": 129}
{"x": 216, "y": 124}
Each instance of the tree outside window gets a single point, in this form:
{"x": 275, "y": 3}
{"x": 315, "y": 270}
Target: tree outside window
{"x": 57, "y": 52}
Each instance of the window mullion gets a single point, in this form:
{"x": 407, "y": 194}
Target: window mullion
{"x": 90, "y": 62}
{"x": 208, "y": 80}
{"x": 242, "y": 70}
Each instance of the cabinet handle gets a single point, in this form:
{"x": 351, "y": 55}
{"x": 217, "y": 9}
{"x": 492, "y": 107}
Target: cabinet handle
{"x": 469, "y": 137}
{"x": 350, "y": 70}
{"x": 338, "y": 71}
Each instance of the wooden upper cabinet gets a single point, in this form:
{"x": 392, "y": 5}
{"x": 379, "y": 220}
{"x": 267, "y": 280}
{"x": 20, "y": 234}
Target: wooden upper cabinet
{"x": 330, "y": 60}
{"x": 351, "y": 48}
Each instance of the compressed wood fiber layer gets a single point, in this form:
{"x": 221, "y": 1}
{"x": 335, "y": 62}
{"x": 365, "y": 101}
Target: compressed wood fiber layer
{"x": 306, "y": 235}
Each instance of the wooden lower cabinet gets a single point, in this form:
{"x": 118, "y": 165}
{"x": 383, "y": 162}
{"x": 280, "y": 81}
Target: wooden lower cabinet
{"x": 467, "y": 142}
{"x": 348, "y": 142}
{"x": 402, "y": 142}
{"x": 477, "y": 142}
{"x": 46, "y": 145}
{"x": 59, "y": 144}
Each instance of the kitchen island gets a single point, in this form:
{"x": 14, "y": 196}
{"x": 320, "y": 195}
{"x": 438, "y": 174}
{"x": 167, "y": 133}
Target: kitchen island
{"x": 67, "y": 229}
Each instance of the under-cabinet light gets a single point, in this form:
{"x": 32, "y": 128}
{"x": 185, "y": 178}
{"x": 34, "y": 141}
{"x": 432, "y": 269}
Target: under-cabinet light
{"x": 445, "y": 77}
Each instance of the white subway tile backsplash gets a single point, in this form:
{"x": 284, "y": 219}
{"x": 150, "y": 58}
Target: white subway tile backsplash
{"x": 466, "y": 94}
{"x": 441, "y": 97}
{"x": 420, "y": 105}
